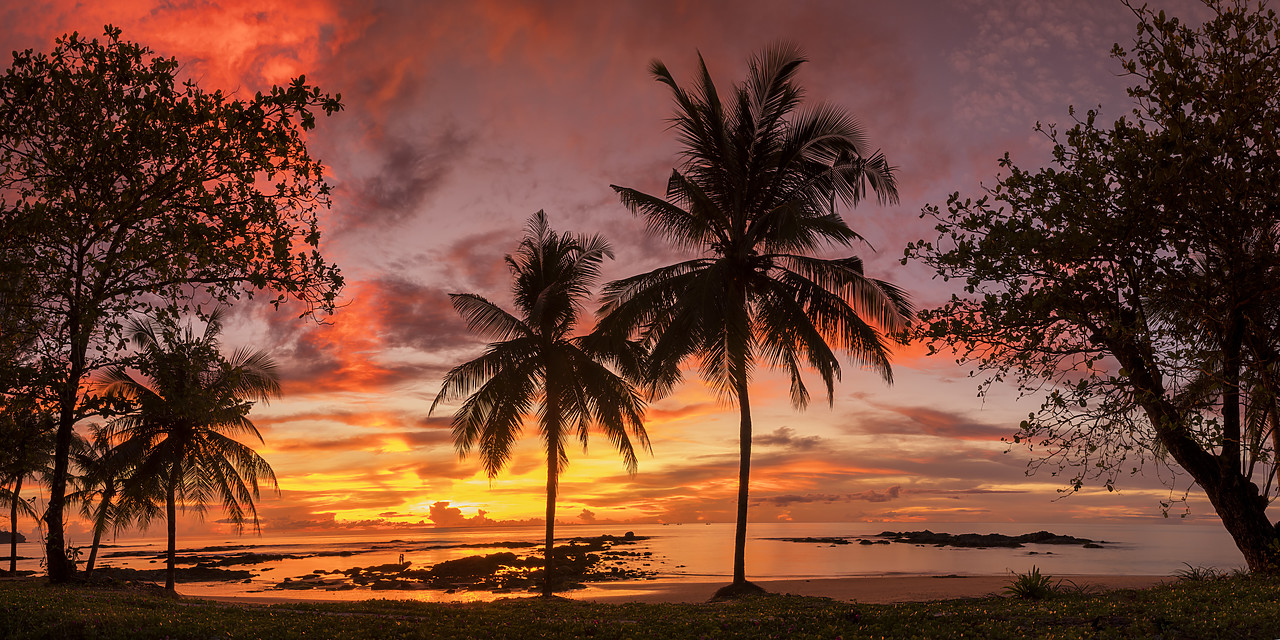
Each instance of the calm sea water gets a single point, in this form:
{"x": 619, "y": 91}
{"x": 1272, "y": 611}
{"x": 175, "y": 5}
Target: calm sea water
{"x": 704, "y": 552}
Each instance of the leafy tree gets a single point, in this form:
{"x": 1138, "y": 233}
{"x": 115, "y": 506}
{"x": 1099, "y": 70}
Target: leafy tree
{"x": 756, "y": 195}
{"x": 536, "y": 366}
{"x": 185, "y": 408}
{"x": 27, "y": 434}
{"x": 1136, "y": 279}
{"x": 122, "y": 189}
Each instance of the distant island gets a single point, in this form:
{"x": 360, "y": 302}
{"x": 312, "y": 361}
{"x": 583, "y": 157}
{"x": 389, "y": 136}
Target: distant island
{"x": 968, "y": 540}
{"x": 6, "y": 537}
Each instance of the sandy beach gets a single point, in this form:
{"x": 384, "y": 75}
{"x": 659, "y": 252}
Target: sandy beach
{"x": 871, "y": 590}
{"x": 878, "y": 590}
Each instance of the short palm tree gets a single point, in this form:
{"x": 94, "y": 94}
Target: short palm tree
{"x": 537, "y": 368}
{"x": 185, "y": 408}
{"x": 27, "y": 434}
{"x": 103, "y": 473}
{"x": 756, "y": 195}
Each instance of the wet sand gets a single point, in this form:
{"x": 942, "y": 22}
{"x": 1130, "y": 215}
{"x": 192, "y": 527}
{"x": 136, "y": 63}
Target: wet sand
{"x": 877, "y": 590}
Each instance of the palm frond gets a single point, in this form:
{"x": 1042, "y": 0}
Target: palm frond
{"x": 487, "y": 318}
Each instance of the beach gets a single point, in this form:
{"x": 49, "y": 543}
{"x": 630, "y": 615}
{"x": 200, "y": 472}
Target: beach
{"x": 878, "y": 590}
{"x": 871, "y": 590}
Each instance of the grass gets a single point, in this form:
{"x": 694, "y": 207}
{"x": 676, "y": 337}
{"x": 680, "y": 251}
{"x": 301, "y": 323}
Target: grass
{"x": 1231, "y": 607}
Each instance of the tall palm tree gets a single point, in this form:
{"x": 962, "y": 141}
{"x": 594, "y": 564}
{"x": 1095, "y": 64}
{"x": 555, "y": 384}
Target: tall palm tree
{"x": 756, "y": 195}
{"x": 187, "y": 405}
{"x": 27, "y": 433}
{"x": 536, "y": 366}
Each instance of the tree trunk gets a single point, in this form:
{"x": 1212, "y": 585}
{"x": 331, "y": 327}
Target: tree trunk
{"x": 744, "y": 477}
{"x": 1235, "y": 498}
{"x": 60, "y": 567}
{"x": 1243, "y": 511}
{"x": 553, "y": 459}
{"x": 171, "y": 511}
{"x": 93, "y": 552}
{"x": 13, "y": 526}
{"x": 99, "y": 525}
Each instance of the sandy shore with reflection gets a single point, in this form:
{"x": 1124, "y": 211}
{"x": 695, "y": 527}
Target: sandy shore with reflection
{"x": 877, "y": 590}
{"x": 870, "y": 590}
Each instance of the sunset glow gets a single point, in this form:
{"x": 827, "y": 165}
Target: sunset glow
{"x": 462, "y": 119}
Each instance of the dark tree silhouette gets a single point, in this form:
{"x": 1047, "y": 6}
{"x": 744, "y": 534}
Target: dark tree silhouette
{"x": 1136, "y": 279}
{"x": 124, "y": 187}
{"x": 537, "y": 367}
{"x": 757, "y": 194}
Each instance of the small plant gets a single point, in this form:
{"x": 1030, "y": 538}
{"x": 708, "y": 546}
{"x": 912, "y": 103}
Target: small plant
{"x": 1032, "y": 585}
{"x": 1198, "y": 573}
{"x": 1070, "y": 588}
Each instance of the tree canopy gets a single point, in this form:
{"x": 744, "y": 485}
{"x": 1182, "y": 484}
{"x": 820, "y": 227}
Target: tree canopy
{"x": 1135, "y": 280}
{"x": 123, "y": 190}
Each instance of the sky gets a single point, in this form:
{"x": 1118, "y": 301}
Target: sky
{"x": 462, "y": 119}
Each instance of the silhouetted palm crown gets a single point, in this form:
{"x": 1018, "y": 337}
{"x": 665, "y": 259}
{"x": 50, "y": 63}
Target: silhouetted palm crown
{"x": 758, "y": 190}
{"x": 536, "y": 361}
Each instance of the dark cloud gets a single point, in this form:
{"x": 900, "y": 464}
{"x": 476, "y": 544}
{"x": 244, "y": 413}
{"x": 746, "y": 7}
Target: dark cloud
{"x": 930, "y": 422}
{"x": 786, "y": 437}
{"x": 356, "y": 348}
{"x": 405, "y": 172}
{"x": 364, "y": 441}
{"x": 410, "y": 314}
{"x": 870, "y": 495}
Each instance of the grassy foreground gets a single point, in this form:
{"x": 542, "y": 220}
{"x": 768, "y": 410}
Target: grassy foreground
{"x": 1237, "y": 607}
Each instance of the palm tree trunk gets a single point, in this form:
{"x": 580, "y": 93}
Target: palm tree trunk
{"x": 13, "y": 526}
{"x": 171, "y": 511}
{"x": 744, "y": 478}
{"x": 100, "y": 525}
{"x": 553, "y": 459}
{"x": 93, "y": 552}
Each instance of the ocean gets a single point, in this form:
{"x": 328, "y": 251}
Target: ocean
{"x": 692, "y": 552}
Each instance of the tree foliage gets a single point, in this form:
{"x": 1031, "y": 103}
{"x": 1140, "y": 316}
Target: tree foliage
{"x": 1134, "y": 282}
{"x": 123, "y": 190}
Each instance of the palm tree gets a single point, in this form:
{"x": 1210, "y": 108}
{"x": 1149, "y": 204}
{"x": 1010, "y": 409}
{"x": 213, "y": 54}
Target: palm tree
{"x": 186, "y": 406}
{"x": 757, "y": 193}
{"x": 27, "y": 433}
{"x": 103, "y": 473}
{"x": 537, "y": 367}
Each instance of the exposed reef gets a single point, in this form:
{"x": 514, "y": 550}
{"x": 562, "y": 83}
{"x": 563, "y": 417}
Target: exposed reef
{"x": 968, "y": 540}
{"x": 579, "y": 561}
{"x": 984, "y": 540}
